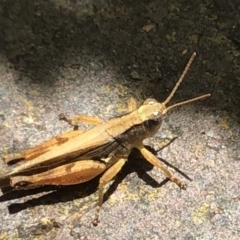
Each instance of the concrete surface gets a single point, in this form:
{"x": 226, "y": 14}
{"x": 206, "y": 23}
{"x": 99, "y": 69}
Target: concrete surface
{"x": 63, "y": 56}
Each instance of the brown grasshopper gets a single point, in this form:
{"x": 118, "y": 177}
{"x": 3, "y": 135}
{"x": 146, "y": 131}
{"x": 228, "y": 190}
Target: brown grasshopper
{"x": 79, "y": 156}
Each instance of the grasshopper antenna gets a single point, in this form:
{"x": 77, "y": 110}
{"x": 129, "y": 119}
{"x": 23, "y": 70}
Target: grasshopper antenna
{"x": 176, "y": 87}
{"x": 185, "y": 102}
{"x": 180, "y": 79}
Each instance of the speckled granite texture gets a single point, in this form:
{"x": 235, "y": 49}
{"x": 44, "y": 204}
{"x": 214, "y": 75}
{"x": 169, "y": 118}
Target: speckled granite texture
{"x": 76, "y": 57}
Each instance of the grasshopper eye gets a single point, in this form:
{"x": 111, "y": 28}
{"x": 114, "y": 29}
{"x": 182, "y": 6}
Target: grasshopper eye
{"x": 150, "y": 101}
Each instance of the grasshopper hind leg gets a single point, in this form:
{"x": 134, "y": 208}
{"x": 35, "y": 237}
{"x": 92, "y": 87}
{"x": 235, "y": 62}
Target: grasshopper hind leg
{"x": 67, "y": 174}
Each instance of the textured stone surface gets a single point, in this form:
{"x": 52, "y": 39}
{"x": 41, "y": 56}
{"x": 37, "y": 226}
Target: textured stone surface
{"x": 66, "y": 56}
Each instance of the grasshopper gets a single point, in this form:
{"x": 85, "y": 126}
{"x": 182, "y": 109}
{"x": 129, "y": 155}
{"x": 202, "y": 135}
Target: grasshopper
{"x": 78, "y": 156}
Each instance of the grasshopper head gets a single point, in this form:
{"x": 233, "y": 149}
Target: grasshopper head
{"x": 152, "y": 112}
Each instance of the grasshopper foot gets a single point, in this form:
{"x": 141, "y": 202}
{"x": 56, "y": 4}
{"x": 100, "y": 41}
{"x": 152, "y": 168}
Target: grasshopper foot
{"x": 95, "y": 221}
{"x": 63, "y": 117}
{"x": 181, "y": 185}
